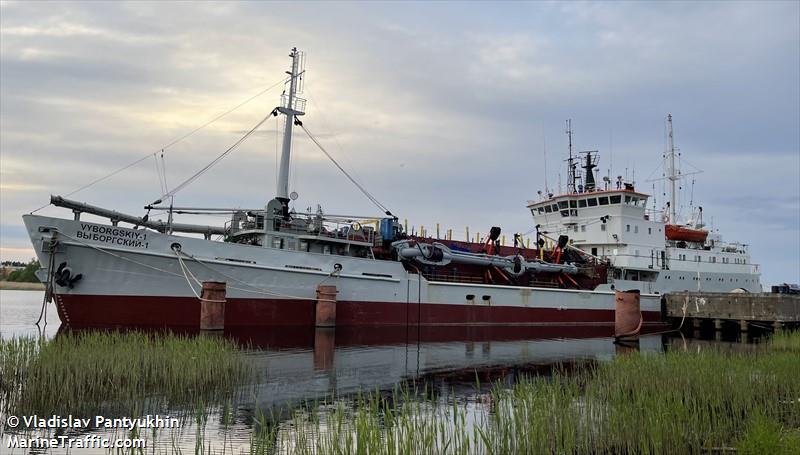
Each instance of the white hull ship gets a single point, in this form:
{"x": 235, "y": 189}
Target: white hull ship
{"x": 273, "y": 260}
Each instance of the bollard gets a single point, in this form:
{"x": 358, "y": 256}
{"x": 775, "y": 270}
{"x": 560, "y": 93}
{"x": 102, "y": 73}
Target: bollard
{"x": 325, "y": 312}
{"x": 212, "y": 306}
{"x": 627, "y": 314}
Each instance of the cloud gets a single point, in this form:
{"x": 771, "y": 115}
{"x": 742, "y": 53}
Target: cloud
{"x": 442, "y": 112}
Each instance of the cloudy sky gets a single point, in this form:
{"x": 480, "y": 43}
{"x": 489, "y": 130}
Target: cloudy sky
{"x": 443, "y": 110}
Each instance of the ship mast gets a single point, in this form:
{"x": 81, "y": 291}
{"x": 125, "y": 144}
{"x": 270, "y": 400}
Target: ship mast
{"x": 570, "y": 162}
{"x": 289, "y": 105}
{"x": 674, "y": 174}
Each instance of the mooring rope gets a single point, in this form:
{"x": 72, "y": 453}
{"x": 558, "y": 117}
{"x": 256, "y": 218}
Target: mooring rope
{"x": 187, "y": 273}
{"x": 256, "y": 289}
{"x": 48, "y": 290}
{"x": 259, "y": 290}
{"x": 118, "y": 256}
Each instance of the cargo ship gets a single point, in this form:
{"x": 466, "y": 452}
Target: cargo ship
{"x": 274, "y": 260}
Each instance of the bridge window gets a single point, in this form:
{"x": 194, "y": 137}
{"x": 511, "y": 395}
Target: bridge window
{"x": 541, "y": 210}
{"x": 581, "y": 203}
{"x": 573, "y": 204}
{"x": 603, "y": 200}
{"x": 616, "y": 199}
{"x": 562, "y": 204}
{"x": 548, "y": 209}
{"x": 592, "y": 202}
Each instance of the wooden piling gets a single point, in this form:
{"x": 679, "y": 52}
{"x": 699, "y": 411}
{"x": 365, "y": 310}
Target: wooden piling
{"x": 212, "y": 306}
{"x": 325, "y": 309}
{"x": 627, "y": 314}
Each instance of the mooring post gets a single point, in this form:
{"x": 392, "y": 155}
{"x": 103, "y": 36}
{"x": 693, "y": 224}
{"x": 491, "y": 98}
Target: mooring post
{"x": 743, "y": 326}
{"x": 777, "y": 325}
{"x": 325, "y": 312}
{"x": 627, "y": 314}
{"x": 212, "y": 306}
{"x": 717, "y": 324}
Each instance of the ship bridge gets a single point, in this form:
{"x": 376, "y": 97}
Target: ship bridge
{"x": 611, "y": 224}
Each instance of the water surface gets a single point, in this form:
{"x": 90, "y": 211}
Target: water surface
{"x": 314, "y": 368}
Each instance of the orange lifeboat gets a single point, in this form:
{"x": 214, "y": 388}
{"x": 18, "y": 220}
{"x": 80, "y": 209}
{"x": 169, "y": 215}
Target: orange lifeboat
{"x": 675, "y": 232}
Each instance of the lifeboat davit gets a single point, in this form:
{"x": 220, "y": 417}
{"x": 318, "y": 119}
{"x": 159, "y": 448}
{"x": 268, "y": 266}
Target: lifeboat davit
{"x": 675, "y": 232}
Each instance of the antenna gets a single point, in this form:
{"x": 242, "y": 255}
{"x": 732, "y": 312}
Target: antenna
{"x": 610, "y": 152}
{"x": 570, "y": 162}
{"x": 673, "y": 172}
{"x": 544, "y": 147}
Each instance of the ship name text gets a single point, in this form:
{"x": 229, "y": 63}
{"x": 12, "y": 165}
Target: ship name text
{"x": 113, "y": 235}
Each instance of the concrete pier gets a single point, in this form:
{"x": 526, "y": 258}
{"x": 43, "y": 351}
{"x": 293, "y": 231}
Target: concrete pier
{"x": 742, "y": 310}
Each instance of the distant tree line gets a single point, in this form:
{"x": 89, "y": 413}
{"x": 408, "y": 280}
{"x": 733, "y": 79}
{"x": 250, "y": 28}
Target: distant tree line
{"x": 26, "y": 275}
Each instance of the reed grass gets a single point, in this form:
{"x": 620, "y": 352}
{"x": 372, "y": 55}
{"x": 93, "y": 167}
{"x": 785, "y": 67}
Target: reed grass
{"x": 86, "y": 372}
{"x": 677, "y": 403}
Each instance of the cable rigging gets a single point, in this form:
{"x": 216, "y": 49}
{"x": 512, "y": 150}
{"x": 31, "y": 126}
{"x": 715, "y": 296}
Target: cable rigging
{"x": 164, "y": 148}
{"x": 366, "y": 193}
{"x": 216, "y": 160}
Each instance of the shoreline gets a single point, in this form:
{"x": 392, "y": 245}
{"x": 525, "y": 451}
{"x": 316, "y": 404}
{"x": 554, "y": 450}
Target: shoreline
{"x": 21, "y": 286}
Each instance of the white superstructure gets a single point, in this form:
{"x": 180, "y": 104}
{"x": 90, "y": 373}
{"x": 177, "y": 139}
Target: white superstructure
{"x": 614, "y": 224}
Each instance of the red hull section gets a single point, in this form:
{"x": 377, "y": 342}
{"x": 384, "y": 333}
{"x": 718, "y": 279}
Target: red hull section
{"x": 137, "y": 311}
{"x": 674, "y": 232}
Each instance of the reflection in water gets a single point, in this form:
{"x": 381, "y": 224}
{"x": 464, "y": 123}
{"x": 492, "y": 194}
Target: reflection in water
{"x": 297, "y": 366}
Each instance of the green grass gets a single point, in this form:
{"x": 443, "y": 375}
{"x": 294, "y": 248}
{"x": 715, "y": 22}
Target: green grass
{"x": 677, "y": 403}
{"x": 86, "y": 372}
